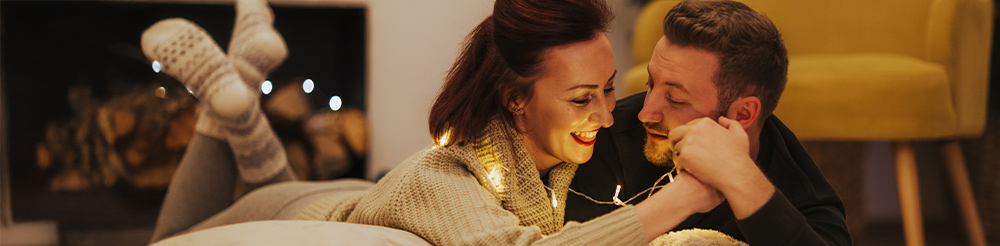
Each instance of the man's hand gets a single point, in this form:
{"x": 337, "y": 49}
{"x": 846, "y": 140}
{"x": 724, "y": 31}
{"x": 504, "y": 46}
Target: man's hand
{"x": 718, "y": 154}
{"x": 713, "y": 152}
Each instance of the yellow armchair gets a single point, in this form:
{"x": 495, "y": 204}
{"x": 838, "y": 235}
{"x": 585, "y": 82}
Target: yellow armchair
{"x": 891, "y": 70}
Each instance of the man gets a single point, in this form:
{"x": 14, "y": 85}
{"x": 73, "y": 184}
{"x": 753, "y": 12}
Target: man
{"x": 715, "y": 78}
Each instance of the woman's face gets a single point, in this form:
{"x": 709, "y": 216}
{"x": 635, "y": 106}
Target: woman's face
{"x": 572, "y": 99}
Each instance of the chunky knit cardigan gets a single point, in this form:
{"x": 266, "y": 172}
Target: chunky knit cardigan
{"x": 486, "y": 192}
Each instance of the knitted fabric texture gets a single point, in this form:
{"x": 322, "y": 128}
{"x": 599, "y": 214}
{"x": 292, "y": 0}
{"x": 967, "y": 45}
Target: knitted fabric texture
{"x": 487, "y": 192}
{"x": 696, "y": 237}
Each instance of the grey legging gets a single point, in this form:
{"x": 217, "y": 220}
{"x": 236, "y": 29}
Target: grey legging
{"x": 200, "y": 195}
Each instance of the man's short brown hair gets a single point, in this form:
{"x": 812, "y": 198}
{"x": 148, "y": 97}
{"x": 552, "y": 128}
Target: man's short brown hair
{"x": 752, "y": 57}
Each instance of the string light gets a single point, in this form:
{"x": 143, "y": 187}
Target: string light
{"x": 494, "y": 177}
{"x": 444, "y": 138}
{"x": 555, "y": 203}
{"x": 156, "y": 66}
{"x": 308, "y": 86}
{"x": 615, "y": 199}
{"x": 336, "y": 103}
{"x": 619, "y": 202}
{"x": 266, "y": 87}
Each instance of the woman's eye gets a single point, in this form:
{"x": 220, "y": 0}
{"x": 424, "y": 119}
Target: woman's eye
{"x": 582, "y": 102}
{"x": 609, "y": 90}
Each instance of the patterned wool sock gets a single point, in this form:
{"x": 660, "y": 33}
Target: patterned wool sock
{"x": 256, "y": 47}
{"x": 230, "y": 109}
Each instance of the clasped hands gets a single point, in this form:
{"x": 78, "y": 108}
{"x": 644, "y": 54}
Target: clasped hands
{"x": 713, "y": 158}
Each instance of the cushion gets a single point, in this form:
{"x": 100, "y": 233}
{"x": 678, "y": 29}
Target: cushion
{"x": 296, "y": 232}
{"x": 866, "y": 96}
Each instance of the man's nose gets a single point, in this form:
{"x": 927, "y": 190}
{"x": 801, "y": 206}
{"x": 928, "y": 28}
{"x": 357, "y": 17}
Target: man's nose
{"x": 651, "y": 112}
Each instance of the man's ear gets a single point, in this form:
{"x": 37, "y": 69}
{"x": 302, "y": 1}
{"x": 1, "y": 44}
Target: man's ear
{"x": 745, "y": 110}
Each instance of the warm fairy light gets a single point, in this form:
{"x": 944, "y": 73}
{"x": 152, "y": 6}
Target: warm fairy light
{"x": 615, "y": 199}
{"x": 160, "y": 92}
{"x": 266, "y": 87}
{"x": 555, "y": 203}
{"x": 156, "y": 66}
{"x": 444, "y": 138}
{"x": 495, "y": 178}
{"x": 308, "y": 86}
{"x": 336, "y": 103}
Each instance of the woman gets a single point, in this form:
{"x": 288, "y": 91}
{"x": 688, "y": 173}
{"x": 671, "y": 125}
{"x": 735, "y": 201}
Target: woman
{"x": 520, "y": 108}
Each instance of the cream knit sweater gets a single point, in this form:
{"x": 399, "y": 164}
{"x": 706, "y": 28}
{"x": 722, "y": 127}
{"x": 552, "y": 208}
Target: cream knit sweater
{"x": 483, "y": 193}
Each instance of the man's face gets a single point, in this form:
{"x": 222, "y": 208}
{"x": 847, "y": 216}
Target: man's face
{"x": 680, "y": 90}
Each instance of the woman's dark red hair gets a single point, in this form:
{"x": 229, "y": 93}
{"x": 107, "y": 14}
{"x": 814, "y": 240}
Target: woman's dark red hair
{"x": 503, "y": 57}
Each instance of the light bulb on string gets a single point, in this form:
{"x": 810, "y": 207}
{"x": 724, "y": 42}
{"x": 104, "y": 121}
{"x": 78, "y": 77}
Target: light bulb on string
{"x": 266, "y": 87}
{"x": 156, "y": 66}
{"x": 308, "y": 86}
{"x": 336, "y": 103}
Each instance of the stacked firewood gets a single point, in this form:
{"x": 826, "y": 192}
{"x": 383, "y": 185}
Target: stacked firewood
{"x": 137, "y": 138}
{"x": 321, "y": 144}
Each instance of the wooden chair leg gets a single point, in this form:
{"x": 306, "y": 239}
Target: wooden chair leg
{"x": 909, "y": 193}
{"x": 963, "y": 193}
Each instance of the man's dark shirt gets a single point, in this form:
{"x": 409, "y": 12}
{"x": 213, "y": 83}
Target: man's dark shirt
{"x": 804, "y": 209}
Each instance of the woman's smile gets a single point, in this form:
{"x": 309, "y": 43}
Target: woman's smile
{"x": 586, "y": 138}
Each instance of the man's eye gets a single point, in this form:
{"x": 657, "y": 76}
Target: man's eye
{"x": 674, "y": 102}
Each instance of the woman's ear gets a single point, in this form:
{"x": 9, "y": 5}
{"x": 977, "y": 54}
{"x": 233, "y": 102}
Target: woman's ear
{"x": 745, "y": 110}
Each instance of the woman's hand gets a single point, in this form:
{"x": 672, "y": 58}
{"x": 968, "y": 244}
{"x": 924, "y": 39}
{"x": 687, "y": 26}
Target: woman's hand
{"x": 679, "y": 199}
{"x": 700, "y": 197}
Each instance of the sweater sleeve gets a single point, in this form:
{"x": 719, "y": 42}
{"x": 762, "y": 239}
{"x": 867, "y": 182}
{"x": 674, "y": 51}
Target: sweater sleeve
{"x": 778, "y": 222}
{"x": 452, "y": 208}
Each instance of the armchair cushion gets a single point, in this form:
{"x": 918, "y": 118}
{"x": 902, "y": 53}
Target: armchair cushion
{"x": 867, "y": 70}
{"x": 872, "y": 95}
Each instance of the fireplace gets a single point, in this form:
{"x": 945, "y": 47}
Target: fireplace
{"x": 86, "y": 117}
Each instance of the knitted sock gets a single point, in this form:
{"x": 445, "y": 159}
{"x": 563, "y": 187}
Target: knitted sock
{"x": 230, "y": 109}
{"x": 256, "y": 47}
{"x": 254, "y": 50}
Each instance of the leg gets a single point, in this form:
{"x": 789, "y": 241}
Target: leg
{"x": 963, "y": 193}
{"x": 909, "y": 194}
{"x": 282, "y": 201}
{"x": 202, "y": 186}
{"x": 230, "y": 109}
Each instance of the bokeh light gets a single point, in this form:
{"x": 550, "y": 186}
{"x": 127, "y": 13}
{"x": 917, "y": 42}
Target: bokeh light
{"x": 308, "y": 86}
{"x": 156, "y": 66}
{"x": 336, "y": 103}
{"x": 266, "y": 87}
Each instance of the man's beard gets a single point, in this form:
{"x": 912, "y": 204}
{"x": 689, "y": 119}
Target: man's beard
{"x": 662, "y": 153}
{"x": 658, "y": 153}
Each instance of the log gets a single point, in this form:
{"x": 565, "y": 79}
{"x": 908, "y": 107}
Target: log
{"x": 331, "y": 155}
{"x": 288, "y": 105}
{"x": 43, "y": 156}
{"x": 181, "y": 128}
{"x": 298, "y": 159}
{"x": 355, "y": 129}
